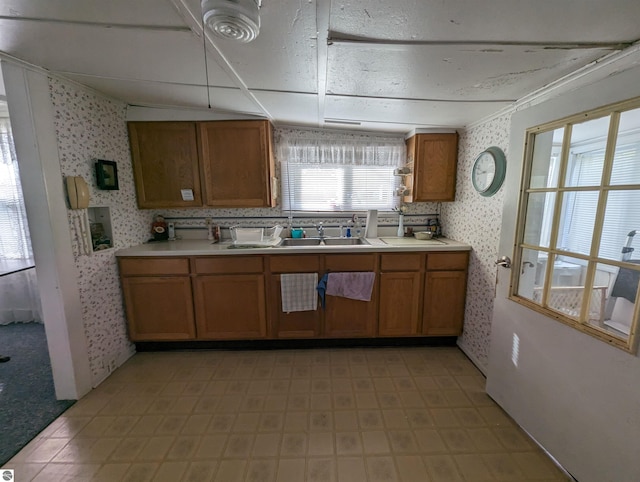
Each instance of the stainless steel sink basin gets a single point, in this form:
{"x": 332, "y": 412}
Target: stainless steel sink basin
{"x": 291, "y": 242}
{"x": 300, "y": 242}
{"x": 344, "y": 241}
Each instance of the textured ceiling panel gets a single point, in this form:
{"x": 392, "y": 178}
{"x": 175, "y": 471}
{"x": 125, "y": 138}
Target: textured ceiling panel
{"x": 290, "y": 108}
{"x": 141, "y": 12}
{"x": 143, "y": 93}
{"x": 121, "y": 53}
{"x": 410, "y": 113}
{"x": 515, "y": 20}
{"x": 446, "y": 72}
{"x": 284, "y": 56}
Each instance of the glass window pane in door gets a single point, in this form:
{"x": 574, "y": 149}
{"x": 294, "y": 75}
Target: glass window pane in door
{"x": 546, "y": 159}
{"x": 532, "y": 274}
{"x": 619, "y": 289}
{"x": 586, "y": 156}
{"x": 622, "y": 216}
{"x": 626, "y": 160}
{"x": 577, "y": 221}
{"x": 567, "y": 286}
{"x": 537, "y": 230}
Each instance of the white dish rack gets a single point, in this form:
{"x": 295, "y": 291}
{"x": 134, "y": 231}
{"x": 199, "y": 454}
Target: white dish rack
{"x": 255, "y": 236}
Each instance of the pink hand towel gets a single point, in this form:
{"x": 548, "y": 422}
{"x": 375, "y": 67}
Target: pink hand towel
{"x": 357, "y": 286}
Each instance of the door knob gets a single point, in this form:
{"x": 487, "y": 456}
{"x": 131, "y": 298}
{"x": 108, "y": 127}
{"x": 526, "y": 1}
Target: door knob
{"x": 504, "y": 261}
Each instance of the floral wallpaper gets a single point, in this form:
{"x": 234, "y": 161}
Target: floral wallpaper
{"x": 89, "y": 127}
{"x": 476, "y": 220}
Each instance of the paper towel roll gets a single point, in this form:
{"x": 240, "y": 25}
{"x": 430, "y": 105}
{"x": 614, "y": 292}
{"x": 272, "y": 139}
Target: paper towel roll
{"x": 371, "y": 230}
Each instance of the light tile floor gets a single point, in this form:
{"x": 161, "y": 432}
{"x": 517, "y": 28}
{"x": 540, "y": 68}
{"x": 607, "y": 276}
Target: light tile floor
{"x": 322, "y": 415}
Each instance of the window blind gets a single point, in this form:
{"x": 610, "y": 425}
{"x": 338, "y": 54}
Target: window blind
{"x": 341, "y": 173}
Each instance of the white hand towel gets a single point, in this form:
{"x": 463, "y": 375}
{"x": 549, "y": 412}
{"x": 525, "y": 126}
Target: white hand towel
{"x": 298, "y": 292}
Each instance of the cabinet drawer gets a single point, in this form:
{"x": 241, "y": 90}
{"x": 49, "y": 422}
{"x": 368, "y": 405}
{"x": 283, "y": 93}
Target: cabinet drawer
{"x": 448, "y": 261}
{"x": 350, "y": 262}
{"x": 401, "y": 262}
{"x": 153, "y": 266}
{"x": 295, "y": 264}
{"x": 229, "y": 264}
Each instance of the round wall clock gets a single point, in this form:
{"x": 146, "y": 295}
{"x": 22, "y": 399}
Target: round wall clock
{"x": 488, "y": 171}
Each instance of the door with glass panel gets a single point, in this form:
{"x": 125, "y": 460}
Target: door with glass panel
{"x": 577, "y": 253}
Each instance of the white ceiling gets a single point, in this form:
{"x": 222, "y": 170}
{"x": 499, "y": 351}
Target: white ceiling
{"x": 378, "y": 65}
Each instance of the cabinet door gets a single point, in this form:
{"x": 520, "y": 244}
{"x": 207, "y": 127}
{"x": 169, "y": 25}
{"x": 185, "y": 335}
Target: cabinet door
{"x": 399, "y": 304}
{"x": 159, "y": 308}
{"x": 165, "y": 161}
{"x": 297, "y": 324}
{"x": 435, "y": 163}
{"x": 347, "y": 318}
{"x": 230, "y": 306}
{"x": 237, "y": 163}
{"x": 444, "y": 297}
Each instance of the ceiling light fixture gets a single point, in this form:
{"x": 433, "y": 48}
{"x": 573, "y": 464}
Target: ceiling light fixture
{"x": 237, "y": 20}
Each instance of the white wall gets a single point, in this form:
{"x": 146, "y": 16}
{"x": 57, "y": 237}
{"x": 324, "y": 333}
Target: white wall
{"x": 578, "y": 396}
{"x": 36, "y": 149}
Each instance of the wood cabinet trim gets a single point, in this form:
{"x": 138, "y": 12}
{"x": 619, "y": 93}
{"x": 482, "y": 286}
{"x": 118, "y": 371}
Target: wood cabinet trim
{"x": 147, "y": 266}
{"x": 448, "y": 261}
{"x": 402, "y": 262}
{"x": 228, "y": 264}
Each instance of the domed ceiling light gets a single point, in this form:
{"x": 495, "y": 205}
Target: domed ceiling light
{"x": 237, "y": 20}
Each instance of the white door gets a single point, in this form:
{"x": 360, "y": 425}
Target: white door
{"x": 576, "y": 395}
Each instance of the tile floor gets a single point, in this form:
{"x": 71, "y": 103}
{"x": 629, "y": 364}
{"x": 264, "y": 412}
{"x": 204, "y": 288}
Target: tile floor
{"x": 334, "y": 415}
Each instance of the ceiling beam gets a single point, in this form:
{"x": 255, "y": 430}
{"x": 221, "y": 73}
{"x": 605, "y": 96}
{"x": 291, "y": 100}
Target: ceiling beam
{"x": 322, "y": 52}
{"x": 111, "y": 25}
{"x": 345, "y": 39}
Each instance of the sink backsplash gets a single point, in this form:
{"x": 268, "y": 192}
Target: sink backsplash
{"x": 191, "y": 223}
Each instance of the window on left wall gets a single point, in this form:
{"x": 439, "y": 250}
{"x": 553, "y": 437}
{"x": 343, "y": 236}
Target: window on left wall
{"x": 15, "y": 242}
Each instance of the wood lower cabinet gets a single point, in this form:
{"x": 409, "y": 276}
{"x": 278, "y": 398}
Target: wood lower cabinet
{"x": 229, "y": 298}
{"x": 345, "y": 317}
{"x": 230, "y": 307}
{"x": 158, "y": 298}
{"x": 444, "y": 294}
{"x": 238, "y": 297}
{"x": 296, "y": 324}
{"x": 400, "y": 294}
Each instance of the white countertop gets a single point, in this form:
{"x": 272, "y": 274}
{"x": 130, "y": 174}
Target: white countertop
{"x": 198, "y": 247}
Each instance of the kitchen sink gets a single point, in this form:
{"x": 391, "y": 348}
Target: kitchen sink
{"x": 300, "y": 242}
{"x": 344, "y": 241}
{"x": 291, "y": 242}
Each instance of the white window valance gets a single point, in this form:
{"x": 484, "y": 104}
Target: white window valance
{"x": 318, "y": 147}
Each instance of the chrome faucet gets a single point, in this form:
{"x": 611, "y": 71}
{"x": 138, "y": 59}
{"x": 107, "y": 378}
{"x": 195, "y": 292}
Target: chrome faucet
{"x": 320, "y": 229}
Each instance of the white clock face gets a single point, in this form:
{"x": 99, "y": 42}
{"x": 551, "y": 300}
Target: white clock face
{"x": 484, "y": 171}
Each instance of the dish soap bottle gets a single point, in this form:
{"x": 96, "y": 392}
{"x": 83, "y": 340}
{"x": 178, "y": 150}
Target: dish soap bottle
{"x": 400, "y": 232}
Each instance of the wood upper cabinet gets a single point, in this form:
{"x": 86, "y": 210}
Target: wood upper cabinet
{"x": 400, "y": 294}
{"x": 165, "y": 161}
{"x": 237, "y": 163}
{"x": 444, "y": 294}
{"x": 346, "y": 317}
{"x": 433, "y": 159}
{"x": 229, "y": 298}
{"x": 158, "y": 298}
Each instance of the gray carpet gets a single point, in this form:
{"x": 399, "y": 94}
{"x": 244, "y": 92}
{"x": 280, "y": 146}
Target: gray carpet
{"x": 27, "y": 397}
